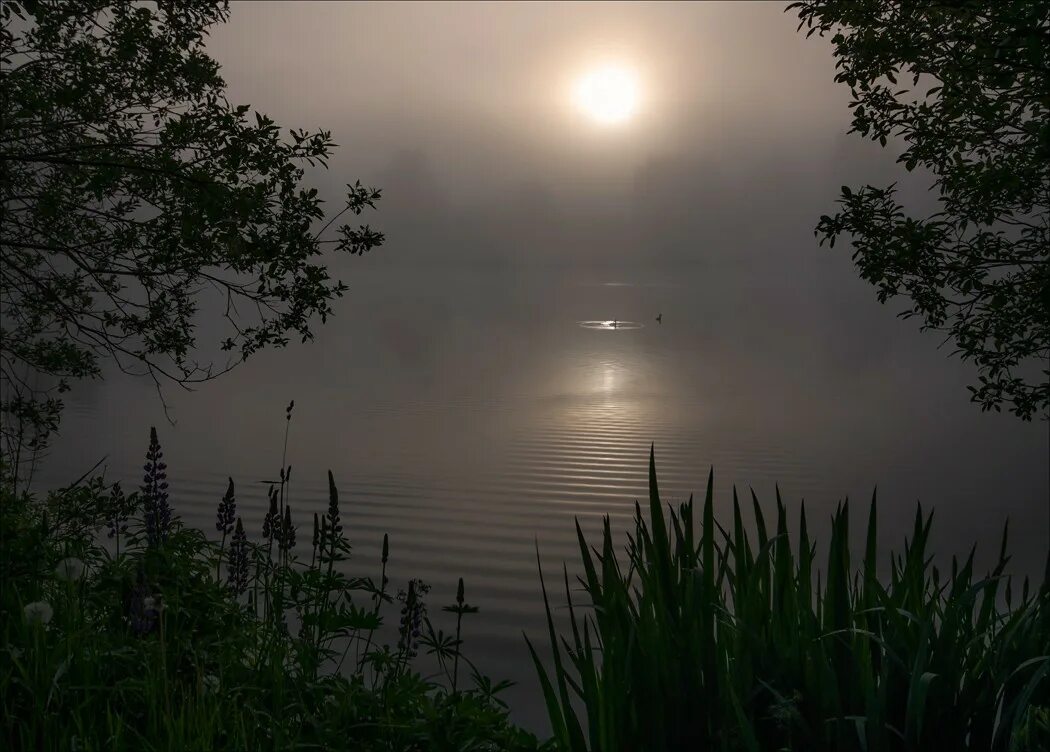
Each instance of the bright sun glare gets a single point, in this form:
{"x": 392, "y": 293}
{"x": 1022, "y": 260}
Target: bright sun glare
{"x": 609, "y": 94}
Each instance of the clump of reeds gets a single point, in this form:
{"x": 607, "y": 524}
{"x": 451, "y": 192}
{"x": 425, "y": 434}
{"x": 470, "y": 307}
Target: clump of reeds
{"x": 707, "y": 638}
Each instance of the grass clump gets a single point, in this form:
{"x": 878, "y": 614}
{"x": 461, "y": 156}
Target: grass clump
{"x": 703, "y": 638}
{"x": 124, "y": 629}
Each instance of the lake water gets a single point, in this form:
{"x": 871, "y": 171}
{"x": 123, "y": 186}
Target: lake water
{"x": 472, "y": 414}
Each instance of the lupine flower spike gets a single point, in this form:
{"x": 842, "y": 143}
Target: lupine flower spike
{"x": 412, "y": 613}
{"x": 227, "y": 511}
{"x": 333, "y": 508}
{"x": 286, "y": 540}
{"x": 155, "y": 493}
{"x": 272, "y": 520}
{"x": 238, "y": 561}
{"x": 120, "y": 511}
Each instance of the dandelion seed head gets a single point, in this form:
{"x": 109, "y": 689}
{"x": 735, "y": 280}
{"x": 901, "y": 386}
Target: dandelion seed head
{"x": 38, "y": 612}
{"x": 70, "y": 569}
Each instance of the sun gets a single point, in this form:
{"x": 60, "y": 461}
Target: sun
{"x": 608, "y": 95}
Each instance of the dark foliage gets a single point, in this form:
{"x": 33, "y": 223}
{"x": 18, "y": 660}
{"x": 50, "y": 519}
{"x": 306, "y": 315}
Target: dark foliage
{"x": 136, "y": 196}
{"x": 963, "y": 90}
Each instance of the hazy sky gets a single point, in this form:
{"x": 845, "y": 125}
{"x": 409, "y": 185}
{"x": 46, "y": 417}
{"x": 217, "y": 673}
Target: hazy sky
{"x": 463, "y": 114}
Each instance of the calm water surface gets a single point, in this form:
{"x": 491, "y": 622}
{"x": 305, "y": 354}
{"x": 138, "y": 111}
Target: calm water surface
{"x": 473, "y": 414}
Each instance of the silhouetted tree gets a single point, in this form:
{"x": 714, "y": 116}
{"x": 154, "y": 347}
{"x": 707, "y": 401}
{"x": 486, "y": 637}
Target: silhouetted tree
{"x": 133, "y": 190}
{"x": 963, "y": 88}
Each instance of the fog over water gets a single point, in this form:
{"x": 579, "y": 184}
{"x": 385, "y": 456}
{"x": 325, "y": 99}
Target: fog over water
{"x": 460, "y": 404}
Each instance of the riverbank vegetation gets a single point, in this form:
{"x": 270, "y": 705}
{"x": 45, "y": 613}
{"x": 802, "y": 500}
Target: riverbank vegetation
{"x": 124, "y": 629}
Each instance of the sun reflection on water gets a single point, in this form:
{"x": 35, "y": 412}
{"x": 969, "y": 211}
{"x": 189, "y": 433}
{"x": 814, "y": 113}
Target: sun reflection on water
{"x": 611, "y": 324}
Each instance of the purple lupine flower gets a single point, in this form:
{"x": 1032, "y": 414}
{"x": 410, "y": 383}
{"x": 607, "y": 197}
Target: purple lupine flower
{"x": 334, "y": 528}
{"x": 272, "y": 520}
{"x": 238, "y": 561}
{"x": 286, "y": 533}
{"x": 412, "y": 613}
{"x": 155, "y": 493}
{"x": 120, "y": 511}
{"x": 331, "y": 528}
{"x": 226, "y": 512}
